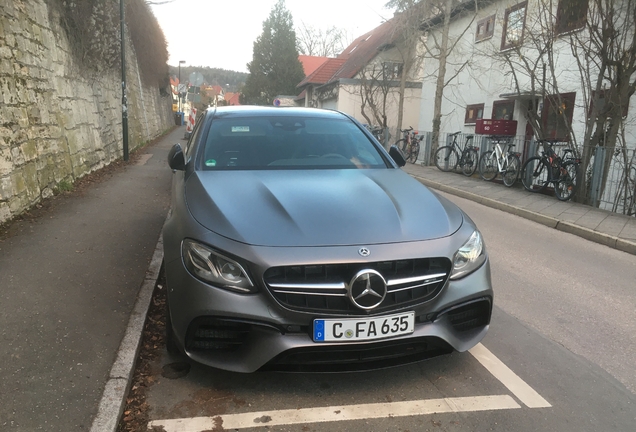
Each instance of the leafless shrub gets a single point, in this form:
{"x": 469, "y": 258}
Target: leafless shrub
{"x": 149, "y": 42}
{"x": 93, "y": 29}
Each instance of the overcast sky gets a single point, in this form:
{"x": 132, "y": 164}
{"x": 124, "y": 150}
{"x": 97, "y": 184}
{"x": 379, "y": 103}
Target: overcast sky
{"x": 221, "y": 33}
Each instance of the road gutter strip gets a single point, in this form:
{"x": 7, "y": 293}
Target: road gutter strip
{"x": 113, "y": 399}
{"x": 549, "y": 221}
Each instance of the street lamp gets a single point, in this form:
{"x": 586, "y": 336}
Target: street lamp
{"x": 179, "y": 85}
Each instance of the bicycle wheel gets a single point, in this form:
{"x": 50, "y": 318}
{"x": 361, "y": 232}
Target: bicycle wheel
{"x": 564, "y": 187}
{"x": 469, "y": 161}
{"x": 535, "y": 174}
{"x": 415, "y": 151}
{"x": 513, "y": 166}
{"x": 488, "y": 165}
{"x": 446, "y": 158}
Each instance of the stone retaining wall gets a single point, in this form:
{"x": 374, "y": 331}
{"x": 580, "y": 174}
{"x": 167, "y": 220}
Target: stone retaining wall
{"x": 57, "y": 121}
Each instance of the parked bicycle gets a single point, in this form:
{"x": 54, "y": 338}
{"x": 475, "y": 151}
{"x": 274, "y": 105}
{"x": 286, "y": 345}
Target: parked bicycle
{"x": 376, "y": 131}
{"x": 447, "y": 158}
{"x": 498, "y": 161}
{"x": 539, "y": 171}
{"x": 409, "y": 144}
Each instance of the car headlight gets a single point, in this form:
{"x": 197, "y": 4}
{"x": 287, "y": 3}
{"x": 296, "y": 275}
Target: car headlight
{"x": 469, "y": 257}
{"x": 212, "y": 267}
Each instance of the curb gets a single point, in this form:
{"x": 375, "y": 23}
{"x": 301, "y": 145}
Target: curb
{"x": 111, "y": 405}
{"x": 552, "y": 222}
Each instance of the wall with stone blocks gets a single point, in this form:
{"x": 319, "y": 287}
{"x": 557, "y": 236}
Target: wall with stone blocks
{"x": 57, "y": 121}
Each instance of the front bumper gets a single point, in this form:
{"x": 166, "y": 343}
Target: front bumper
{"x": 245, "y": 333}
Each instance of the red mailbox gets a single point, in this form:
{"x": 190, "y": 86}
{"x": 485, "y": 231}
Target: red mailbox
{"x": 496, "y": 127}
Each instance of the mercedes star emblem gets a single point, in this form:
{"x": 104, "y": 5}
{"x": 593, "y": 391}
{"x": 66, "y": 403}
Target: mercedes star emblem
{"x": 367, "y": 289}
{"x": 364, "y": 252}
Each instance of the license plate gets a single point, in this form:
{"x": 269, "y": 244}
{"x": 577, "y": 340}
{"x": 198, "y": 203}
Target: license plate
{"x": 362, "y": 329}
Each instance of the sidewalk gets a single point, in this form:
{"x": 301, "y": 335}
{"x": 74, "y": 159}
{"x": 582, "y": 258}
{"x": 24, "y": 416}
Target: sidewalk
{"x": 600, "y": 226}
{"x": 69, "y": 279}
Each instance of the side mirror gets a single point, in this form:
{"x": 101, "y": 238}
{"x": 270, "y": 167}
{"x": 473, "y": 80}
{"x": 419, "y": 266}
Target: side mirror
{"x": 397, "y": 155}
{"x": 176, "y": 158}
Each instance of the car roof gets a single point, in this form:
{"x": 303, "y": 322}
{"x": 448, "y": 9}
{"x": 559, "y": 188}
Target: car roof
{"x": 264, "y": 111}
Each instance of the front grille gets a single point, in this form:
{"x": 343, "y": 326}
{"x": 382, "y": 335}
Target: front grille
{"x": 323, "y": 288}
{"x": 358, "y": 357}
{"x": 207, "y": 333}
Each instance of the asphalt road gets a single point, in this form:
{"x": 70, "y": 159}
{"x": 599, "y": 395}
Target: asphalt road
{"x": 560, "y": 356}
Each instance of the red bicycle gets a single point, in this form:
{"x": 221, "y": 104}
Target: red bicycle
{"x": 409, "y": 144}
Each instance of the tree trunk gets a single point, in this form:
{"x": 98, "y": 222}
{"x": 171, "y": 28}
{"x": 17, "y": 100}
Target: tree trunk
{"x": 441, "y": 74}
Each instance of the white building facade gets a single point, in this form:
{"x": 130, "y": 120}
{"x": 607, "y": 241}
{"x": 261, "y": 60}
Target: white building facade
{"x": 526, "y": 61}
{"x": 493, "y": 71}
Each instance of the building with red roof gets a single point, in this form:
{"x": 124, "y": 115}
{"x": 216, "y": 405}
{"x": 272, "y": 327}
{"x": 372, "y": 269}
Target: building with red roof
{"x": 311, "y": 63}
{"x": 370, "y": 67}
{"x": 232, "y": 98}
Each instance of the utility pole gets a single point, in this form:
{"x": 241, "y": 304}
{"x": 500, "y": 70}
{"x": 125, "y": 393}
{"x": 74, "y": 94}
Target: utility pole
{"x": 124, "y": 98}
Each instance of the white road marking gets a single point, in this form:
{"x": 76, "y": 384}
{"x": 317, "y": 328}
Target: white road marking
{"x": 516, "y": 385}
{"x": 496, "y": 367}
{"x": 337, "y": 413}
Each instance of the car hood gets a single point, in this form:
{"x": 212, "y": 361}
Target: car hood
{"x": 319, "y": 207}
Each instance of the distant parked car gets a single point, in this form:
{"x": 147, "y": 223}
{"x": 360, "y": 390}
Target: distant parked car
{"x": 296, "y": 242}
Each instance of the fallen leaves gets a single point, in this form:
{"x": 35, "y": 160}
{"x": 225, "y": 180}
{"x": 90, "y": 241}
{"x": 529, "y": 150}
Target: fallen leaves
{"x": 136, "y": 411}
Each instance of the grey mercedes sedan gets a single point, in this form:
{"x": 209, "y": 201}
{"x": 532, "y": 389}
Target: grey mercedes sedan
{"x": 295, "y": 242}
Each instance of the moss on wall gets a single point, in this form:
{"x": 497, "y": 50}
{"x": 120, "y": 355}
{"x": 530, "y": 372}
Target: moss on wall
{"x": 60, "y": 118}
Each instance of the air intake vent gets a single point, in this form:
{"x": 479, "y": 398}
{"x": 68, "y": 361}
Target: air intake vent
{"x": 470, "y": 316}
{"x": 206, "y": 334}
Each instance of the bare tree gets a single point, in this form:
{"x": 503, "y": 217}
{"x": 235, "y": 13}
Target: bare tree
{"x": 314, "y": 41}
{"x": 409, "y": 17}
{"x": 606, "y": 55}
{"x": 601, "y": 37}
{"x": 440, "y": 50}
{"x": 374, "y": 90}
{"x": 383, "y": 82}
{"x": 434, "y": 17}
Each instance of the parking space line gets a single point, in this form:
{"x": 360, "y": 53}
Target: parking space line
{"x": 337, "y": 413}
{"x": 503, "y": 373}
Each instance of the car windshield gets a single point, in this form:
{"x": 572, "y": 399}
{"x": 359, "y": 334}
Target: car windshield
{"x": 288, "y": 142}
